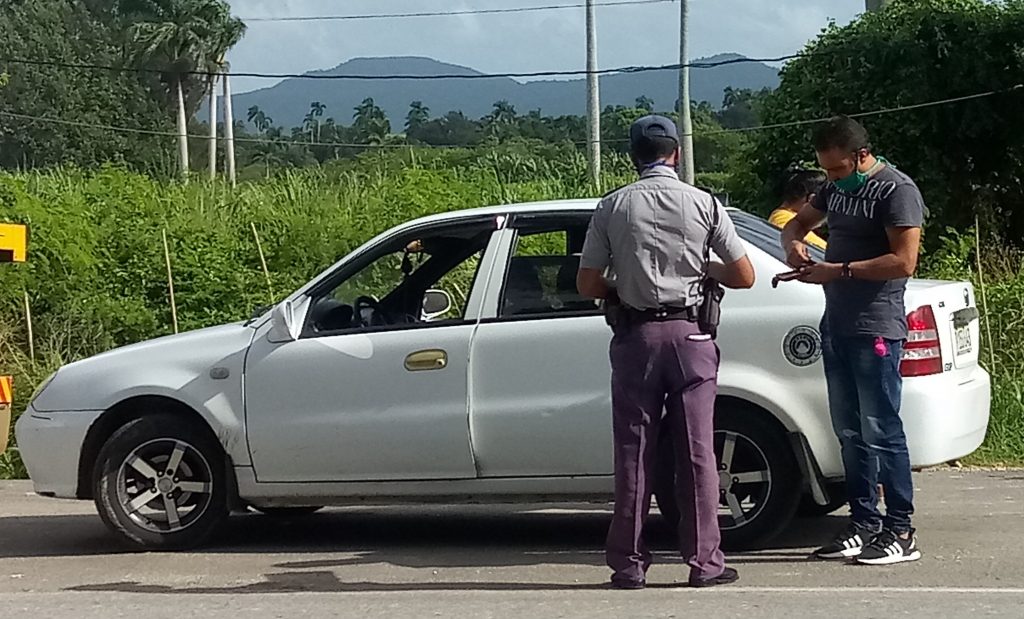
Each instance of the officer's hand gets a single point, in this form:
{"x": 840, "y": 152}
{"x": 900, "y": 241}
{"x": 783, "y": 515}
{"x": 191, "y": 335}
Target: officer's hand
{"x": 797, "y": 255}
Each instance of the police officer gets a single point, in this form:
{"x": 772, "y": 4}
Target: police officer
{"x": 653, "y": 234}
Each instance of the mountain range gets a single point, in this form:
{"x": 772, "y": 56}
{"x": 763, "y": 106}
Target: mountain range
{"x": 288, "y": 101}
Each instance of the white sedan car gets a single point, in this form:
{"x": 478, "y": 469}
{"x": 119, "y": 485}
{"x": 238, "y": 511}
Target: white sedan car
{"x": 451, "y": 360}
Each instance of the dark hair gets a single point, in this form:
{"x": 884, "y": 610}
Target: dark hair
{"x": 650, "y": 149}
{"x": 841, "y": 132}
{"x": 802, "y": 183}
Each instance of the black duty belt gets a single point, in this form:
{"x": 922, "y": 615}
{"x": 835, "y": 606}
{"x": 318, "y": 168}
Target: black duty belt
{"x": 662, "y": 314}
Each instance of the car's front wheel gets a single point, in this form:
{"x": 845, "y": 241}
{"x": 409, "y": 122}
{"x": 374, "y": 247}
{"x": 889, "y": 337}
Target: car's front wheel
{"x": 759, "y": 480}
{"x": 160, "y": 482}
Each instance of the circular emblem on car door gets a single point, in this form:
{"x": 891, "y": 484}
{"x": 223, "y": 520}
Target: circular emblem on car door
{"x": 802, "y": 346}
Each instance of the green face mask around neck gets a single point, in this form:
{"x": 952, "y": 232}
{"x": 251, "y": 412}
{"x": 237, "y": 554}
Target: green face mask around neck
{"x": 858, "y": 179}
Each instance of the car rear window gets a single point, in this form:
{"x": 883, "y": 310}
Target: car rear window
{"x": 766, "y": 237}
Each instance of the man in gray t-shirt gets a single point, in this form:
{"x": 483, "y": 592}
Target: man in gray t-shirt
{"x": 857, "y": 224}
{"x": 653, "y": 234}
{"x": 874, "y": 214}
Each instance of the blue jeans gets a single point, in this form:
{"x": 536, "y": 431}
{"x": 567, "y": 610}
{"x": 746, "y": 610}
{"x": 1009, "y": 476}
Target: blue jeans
{"x": 864, "y": 394}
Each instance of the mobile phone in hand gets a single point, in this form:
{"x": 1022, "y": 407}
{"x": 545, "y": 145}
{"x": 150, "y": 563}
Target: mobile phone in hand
{"x": 785, "y": 277}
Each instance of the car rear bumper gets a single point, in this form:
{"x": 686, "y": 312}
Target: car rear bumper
{"x": 50, "y": 446}
{"x": 945, "y": 419}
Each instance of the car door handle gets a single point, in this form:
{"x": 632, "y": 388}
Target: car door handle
{"x": 426, "y": 360}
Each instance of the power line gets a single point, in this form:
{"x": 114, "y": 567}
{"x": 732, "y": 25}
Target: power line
{"x": 880, "y": 112}
{"x": 285, "y": 141}
{"x": 525, "y": 9}
{"x": 435, "y": 76}
{"x": 174, "y": 134}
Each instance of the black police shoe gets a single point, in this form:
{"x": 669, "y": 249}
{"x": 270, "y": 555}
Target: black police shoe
{"x": 727, "y": 576}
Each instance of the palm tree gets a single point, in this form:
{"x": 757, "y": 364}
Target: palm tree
{"x": 504, "y": 113}
{"x": 370, "y": 123}
{"x": 270, "y": 152}
{"x": 331, "y": 130}
{"x": 316, "y": 110}
{"x": 259, "y": 119}
{"x": 308, "y": 128}
{"x": 182, "y": 37}
{"x": 418, "y": 116}
{"x": 227, "y": 33}
{"x": 501, "y": 119}
{"x": 253, "y": 113}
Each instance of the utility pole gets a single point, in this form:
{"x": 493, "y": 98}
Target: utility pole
{"x": 213, "y": 126}
{"x": 685, "y": 122}
{"x": 182, "y": 132}
{"x": 593, "y": 100}
{"x": 229, "y": 128}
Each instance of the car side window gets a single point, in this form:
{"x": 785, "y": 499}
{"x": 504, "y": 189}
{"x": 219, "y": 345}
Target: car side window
{"x": 458, "y": 283}
{"x": 410, "y": 282}
{"x": 541, "y": 275}
{"x": 376, "y": 280}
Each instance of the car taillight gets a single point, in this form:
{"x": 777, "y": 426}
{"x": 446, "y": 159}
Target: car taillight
{"x": 922, "y": 355}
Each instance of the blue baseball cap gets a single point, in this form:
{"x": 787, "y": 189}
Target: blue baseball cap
{"x": 652, "y": 126}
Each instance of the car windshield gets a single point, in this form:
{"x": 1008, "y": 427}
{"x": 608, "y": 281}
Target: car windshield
{"x": 765, "y": 236}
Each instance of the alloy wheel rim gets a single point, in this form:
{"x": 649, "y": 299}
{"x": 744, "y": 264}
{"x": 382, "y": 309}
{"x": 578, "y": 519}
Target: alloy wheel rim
{"x": 165, "y": 485}
{"x": 744, "y": 479}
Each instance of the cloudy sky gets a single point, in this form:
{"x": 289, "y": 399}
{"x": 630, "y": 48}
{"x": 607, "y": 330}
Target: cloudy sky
{"x": 549, "y": 40}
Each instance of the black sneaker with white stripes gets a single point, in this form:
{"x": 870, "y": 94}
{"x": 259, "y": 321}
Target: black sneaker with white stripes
{"x": 847, "y": 544}
{"x": 888, "y": 548}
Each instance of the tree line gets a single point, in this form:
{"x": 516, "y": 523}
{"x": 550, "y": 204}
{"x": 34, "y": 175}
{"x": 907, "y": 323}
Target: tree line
{"x": 967, "y": 153}
{"x": 321, "y": 137}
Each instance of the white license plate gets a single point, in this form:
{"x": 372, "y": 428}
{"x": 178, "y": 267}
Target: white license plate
{"x": 963, "y": 341}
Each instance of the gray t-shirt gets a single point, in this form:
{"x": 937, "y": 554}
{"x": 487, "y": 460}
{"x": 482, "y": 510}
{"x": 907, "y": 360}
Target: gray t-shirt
{"x": 652, "y": 234}
{"x": 857, "y": 226}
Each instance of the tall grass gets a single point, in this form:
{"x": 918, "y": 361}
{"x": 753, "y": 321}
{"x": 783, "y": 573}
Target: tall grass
{"x": 97, "y": 277}
{"x": 998, "y": 279}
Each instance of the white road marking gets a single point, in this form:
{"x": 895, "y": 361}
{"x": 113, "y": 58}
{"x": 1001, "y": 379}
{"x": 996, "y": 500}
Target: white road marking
{"x": 841, "y": 590}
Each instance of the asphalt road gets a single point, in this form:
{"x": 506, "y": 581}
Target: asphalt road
{"x": 57, "y": 560}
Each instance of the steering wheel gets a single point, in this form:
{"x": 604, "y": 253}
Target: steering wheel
{"x": 378, "y": 317}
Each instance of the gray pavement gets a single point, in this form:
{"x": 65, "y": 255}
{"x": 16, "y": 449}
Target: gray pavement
{"x": 57, "y": 560}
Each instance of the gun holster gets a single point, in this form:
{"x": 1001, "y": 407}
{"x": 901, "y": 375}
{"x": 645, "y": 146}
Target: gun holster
{"x": 709, "y": 313}
{"x": 614, "y": 311}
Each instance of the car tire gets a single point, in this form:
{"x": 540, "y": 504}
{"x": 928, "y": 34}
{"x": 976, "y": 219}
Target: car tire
{"x": 288, "y": 512}
{"x": 762, "y": 455}
{"x": 187, "y": 505}
{"x": 837, "y": 499}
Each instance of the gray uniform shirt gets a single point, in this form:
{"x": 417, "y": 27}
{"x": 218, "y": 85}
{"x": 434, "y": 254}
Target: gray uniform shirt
{"x": 652, "y": 235}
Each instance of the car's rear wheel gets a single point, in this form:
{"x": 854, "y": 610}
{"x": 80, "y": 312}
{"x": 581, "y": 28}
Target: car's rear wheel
{"x": 759, "y": 481}
{"x": 160, "y": 483}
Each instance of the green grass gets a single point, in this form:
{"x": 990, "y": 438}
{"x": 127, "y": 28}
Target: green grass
{"x": 97, "y": 277}
{"x": 998, "y": 279}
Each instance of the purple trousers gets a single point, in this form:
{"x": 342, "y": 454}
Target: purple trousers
{"x": 672, "y": 367}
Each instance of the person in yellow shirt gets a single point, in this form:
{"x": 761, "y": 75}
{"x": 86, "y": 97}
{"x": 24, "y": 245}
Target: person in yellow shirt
{"x": 798, "y": 190}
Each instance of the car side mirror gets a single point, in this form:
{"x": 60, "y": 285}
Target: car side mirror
{"x": 284, "y": 324}
{"x": 435, "y": 303}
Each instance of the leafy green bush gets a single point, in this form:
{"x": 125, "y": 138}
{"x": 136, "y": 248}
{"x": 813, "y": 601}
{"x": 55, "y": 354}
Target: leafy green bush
{"x": 97, "y": 276}
{"x": 998, "y": 279}
{"x": 967, "y": 156}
